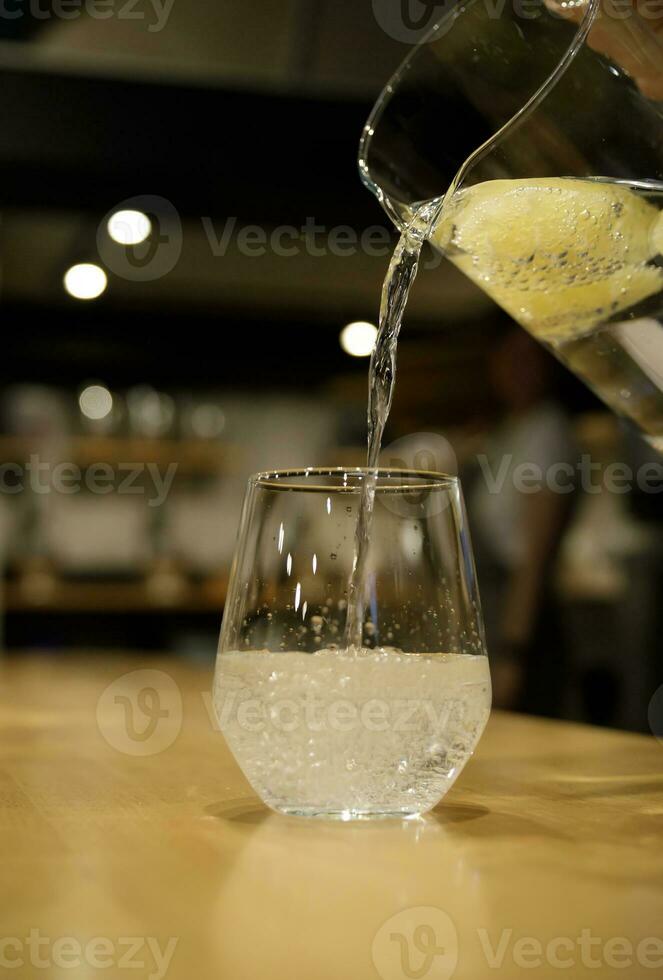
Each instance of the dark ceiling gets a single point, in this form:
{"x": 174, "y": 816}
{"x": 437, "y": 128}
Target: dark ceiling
{"x": 88, "y": 122}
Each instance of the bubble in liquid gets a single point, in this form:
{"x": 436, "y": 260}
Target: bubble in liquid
{"x": 317, "y": 623}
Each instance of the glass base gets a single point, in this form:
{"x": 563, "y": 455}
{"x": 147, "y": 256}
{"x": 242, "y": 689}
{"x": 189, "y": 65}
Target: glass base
{"x": 325, "y": 813}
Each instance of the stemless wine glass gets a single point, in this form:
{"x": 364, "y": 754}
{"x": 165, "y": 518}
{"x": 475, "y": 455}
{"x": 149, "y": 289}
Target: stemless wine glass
{"x": 320, "y": 730}
{"x": 540, "y": 126}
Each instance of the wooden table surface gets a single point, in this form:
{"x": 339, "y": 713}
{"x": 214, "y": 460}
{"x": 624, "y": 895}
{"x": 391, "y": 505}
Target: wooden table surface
{"x": 132, "y": 846}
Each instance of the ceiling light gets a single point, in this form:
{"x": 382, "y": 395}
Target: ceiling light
{"x": 85, "y": 281}
{"x": 129, "y": 227}
{"x": 358, "y": 339}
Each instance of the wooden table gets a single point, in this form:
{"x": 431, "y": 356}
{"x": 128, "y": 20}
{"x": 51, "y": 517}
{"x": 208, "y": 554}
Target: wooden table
{"x": 549, "y": 851}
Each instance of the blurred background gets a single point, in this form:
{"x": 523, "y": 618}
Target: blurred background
{"x": 189, "y": 279}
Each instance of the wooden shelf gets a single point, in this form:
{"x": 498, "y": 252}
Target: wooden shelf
{"x": 192, "y": 456}
{"x": 45, "y": 596}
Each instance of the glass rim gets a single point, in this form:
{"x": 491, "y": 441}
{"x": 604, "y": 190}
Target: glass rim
{"x": 389, "y": 479}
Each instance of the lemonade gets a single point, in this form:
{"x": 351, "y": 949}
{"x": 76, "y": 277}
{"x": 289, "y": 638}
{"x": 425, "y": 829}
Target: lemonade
{"x": 386, "y": 730}
{"x": 579, "y": 264}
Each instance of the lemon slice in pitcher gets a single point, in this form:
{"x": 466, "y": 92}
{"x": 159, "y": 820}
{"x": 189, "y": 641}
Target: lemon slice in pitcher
{"x": 560, "y": 255}
{"x": 657, "y": 235}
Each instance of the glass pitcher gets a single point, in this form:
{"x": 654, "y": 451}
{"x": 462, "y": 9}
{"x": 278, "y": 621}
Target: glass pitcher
{"x": 537, "y": 129}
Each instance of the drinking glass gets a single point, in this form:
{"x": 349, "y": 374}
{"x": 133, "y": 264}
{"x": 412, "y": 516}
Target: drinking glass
{"x": 322, "y": 730}
{"x": 538, "y": 127}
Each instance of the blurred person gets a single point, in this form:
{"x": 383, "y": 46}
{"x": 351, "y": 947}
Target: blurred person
{"x": 517, "y": 528}
{"x": 604, "y": 585}
{"x": 645, "y": 571}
